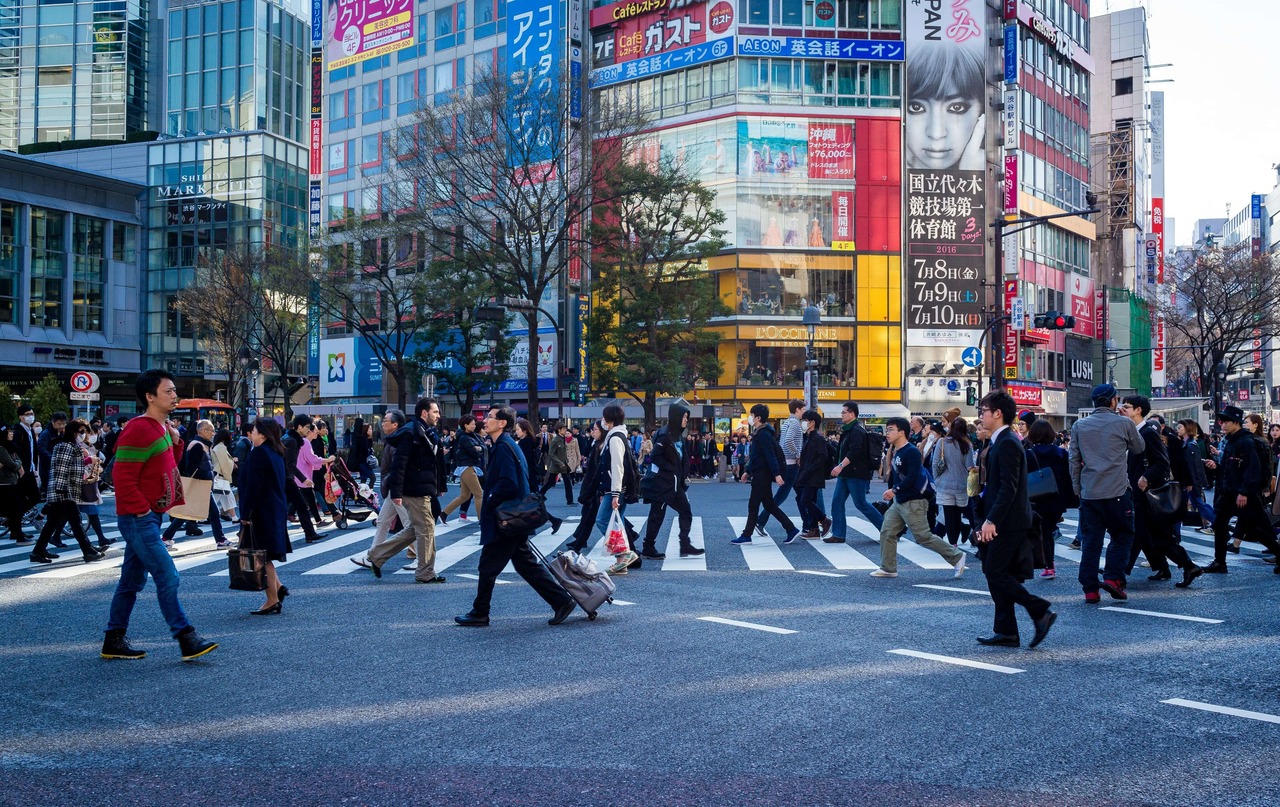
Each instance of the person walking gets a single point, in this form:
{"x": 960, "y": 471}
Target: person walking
{"x": 63, "y": 494}
{"x": 90, "y": 503}
{"x": 1242, "y": 483}
{"x": 557, "y": 464}
{"x": 147, "y": 484}
{"x": 1042, "y": 452}
{"x": 11, "y": 473}
{"x": 1197, "y": 454}
{"x": 240, "y": 448}
{"x": 909, "y": 505}
{"x": 417, "y": 477}
{"x": 508, "y": 480}
{"x": 264, "y": 508}
{"x": 196, "y": 464}
{"x": 859, "y": 460}
{"x": 670, "y": 485}
{"x": 791, "y": 439}
{"x": 27, "y": 452}
{"x": 224, "y": 474}
{"x": 468, "y": 455}
{"x": 1099, "y": 460}
{"x": 322, "y": 448}
{"x": 49, "y": 437}
{"x": 360, "y": 451}
{"x": 528, "y": 444}
{"x": 764, "y": 464}
{"x": 813, "y": 469}
{"x": 612, "y": 482}
{"x": 1006, "y": 535}
{"x": 391, "y": 515}
{"x": 297, "y": 476}
{"x": 953, "y": 457}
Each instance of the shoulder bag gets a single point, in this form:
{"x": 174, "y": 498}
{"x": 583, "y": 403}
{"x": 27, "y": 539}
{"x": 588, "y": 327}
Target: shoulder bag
{"x": 518, "y": 517}
{"x": 247, "y": 566}
{"x": 1166, "y": 499}
{"x": 1040, "y": 483}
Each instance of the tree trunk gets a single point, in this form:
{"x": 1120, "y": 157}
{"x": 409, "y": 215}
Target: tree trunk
{"x": 402, "y": 391}
{"x": 650, "y": 410}
{"x": 531, "y": 370}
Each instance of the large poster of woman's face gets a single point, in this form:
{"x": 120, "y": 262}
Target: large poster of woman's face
{"x": 944, "y": 120}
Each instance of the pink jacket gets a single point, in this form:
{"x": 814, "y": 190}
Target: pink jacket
{"x": 308, "y": 462}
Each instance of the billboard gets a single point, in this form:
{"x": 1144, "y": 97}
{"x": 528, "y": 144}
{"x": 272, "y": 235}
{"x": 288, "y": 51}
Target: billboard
{"x": 945, "y": 198}
{"x": 348, "y": 368}
{"x": 535, "y": 47}
{"x": 356, "y": 30}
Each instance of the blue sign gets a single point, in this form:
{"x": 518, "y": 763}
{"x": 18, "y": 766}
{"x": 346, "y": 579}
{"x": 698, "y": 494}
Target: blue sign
{"x": 575, "y": 86}
{"x": 662, "y": 63}
{"x": 1011, "y": 54}
{"x": 971, "y": 357}
{"x": 872, "y": 50}
{"x": 953, "y": 385}
{"x": 1255, "y": 206}
{"x": 317, "y": 23}
{"x": 534, "y": 52}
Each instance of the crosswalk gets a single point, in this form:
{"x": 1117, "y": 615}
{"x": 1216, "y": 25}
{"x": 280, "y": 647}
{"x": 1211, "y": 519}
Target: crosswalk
{"x": 458, "y": 551}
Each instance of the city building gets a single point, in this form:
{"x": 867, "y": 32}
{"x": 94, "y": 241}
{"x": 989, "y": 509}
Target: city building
{"x": 71, "y": 268}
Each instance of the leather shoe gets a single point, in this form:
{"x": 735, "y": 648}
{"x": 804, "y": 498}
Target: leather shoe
{"x": 652, "y": 554}
{"x": 1000, "y": 640}
{"x": 317, "y": 537}
{"x": 1215, "y": 568}
{"x": 1042, "y": 627}
{"x": 470, "y": 620}
{"x": 1188, "y": 576}
{"x": 562, "y": 613}
{"x": 1164, "y": 575}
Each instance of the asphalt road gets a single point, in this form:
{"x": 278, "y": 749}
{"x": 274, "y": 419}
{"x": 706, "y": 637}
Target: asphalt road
{"x": 364, "y": 692}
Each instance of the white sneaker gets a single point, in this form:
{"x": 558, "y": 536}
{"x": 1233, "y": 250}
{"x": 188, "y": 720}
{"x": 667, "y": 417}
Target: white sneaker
{"x": 960, "y": 567}
{"x": 362, "y": 562}
{"x": 883, "y": 573}
{"x": 411, "y": 567}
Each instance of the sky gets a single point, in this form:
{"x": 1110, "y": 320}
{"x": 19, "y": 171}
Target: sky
{"x": 1222, "y": 111}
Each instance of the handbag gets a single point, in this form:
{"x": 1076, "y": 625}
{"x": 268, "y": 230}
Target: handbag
{"x": 247, "y": 567}
{"x": 221, "y": 485}
{"x": 1041, "y": 482}
{"x": 973, "y": 485}
{"x": 1166, "y": 499}
{"x": 195, "y": 504}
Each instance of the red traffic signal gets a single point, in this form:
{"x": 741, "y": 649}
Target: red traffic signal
{"x": 1055, "y": 321}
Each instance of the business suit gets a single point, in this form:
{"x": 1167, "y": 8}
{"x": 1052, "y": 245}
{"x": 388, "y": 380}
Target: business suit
{"x": 506, "y": 479}
{"x": 28, "y": 487}
{"x": 1006, "y": 559}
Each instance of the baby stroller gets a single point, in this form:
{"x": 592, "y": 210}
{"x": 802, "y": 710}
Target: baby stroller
{"x": 355, "y": 500}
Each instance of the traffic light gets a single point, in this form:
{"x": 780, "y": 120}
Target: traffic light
{"x": 1054, "y": 321}
{"x": 971, "y": 395}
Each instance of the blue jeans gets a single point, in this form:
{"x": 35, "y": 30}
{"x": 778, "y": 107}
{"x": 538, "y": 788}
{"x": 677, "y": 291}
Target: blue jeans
{"x": 789, "y": 474}
{"x": 144, "y": 552}
{"x": 857, "y": 488}
{"x": 1203, "y": 507}
{"x": 1096, "y": 517}
{"x": 606, "y": 512}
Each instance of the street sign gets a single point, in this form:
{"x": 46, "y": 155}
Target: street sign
{"x": 84, "y": 396}
{"x": 83, "y": 381}
{"x": 1017, "y": 314}
{"x": 971, "y": 357}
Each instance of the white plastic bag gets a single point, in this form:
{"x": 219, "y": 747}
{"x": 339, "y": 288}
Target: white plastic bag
{"x": 615, "y": 540}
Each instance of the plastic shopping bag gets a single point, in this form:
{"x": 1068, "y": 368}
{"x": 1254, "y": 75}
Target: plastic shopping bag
{"x": 615, "y": 540}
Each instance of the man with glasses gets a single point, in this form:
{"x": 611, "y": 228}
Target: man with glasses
{"x": 909, "y": 505}
{"x": 416, "y": 480}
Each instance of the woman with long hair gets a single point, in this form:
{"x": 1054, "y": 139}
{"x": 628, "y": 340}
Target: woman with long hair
{"x": 66, "y": 487}
{"x": 91, "y": 497}
{"x": 529, "y": 447}
{"x": 1197, "y": 454}
{"x": 263, "y": 507}
{"x": 952, "y": 459}
{"x": 1044, "y": 452}
{"x": 224, "y": 471}
{"x": 360, "y": 450}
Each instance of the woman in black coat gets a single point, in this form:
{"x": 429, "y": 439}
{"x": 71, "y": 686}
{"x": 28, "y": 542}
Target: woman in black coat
{"x": 1042, "y": 452}
{"x": 529, "y": 447}
{"x": 263, "y": 508}
{"x": 359, "y": 451}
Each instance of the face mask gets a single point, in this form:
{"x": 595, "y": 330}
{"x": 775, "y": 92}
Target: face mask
{"x": 93, "y": 438}
{"x": 80, "y": 438}
{"x": 28, "y": 419}
{"x": 37, "y": 430}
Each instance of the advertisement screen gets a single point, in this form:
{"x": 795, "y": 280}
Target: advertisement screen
{"x": 946, "y": 215}
{"x": 356, "y": 30}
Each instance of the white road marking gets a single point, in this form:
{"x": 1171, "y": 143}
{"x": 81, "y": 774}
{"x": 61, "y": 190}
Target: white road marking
{"x": 907, "y": 548}
{"x": 961, "y": 662}
{"x": 953, "y": 588}
{"x": 820, "y": 574}
{"x": 1223, "y": 710}
{"x": 622, "y": 602}
{"x": 752, "y": 625}
{"x": 344, "y": 565}
{"x": 311, "y": 550}
{"x": 675, "y": 563}
{"x": 498, "y": 581}
{"x": 762, "y": 554}
{"x": 1166, "y": 616}
{"x": 843, "y": 556}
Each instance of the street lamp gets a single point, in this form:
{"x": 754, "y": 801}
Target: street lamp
{"x": 811, "y": 320}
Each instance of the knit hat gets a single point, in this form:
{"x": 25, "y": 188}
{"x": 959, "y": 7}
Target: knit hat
{"x": 1027, "y": 416}
{"x": 951, "y": 414}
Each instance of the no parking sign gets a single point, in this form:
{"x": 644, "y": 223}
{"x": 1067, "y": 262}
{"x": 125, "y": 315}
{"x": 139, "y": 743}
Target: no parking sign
{"x": 83, "y": 381}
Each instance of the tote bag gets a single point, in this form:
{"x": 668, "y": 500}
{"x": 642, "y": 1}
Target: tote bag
{"x": 195, "y": 495}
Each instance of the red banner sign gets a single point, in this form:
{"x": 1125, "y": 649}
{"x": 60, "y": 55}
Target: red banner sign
{"x": 317, "y": 157}
{"x": 842, "y": 220}
{"x": 831, "y": 151}
{"x": 1010, "y": 335}
{"x": 1157, "y": 228}
{"x": 1025, "y": 394}
{"x": 654, "y": 32}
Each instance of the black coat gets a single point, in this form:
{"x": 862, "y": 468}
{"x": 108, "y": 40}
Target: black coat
{"x": 1045, "y": 455}
{"x": 532, "y": 457}
{"x": 1153, "y": 462}
{"x": 418, "y": 468}
{"x": 468, "y": 450}
{"x": 763, "y": 459}
{"x": 292, "y": 476}
{"x": 814, "y": 466}
{"x": 672, "y": 468}
{"x": 590, "y": 475}
{"x": 1004, "y": 498}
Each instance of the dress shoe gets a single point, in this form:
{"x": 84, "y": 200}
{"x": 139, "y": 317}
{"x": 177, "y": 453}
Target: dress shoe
{"x": 691, "y": 552}
{"x": 58, "y": 542}
{"x": 1189, "y": 575}
{"x": 470, "y": 620}
{"x": 268, "y": 610}
{"x": 437, "y": 579}
{"x": 1042, "y": 627}
{"x": 652, "y": 554}
{"x": 1215, "y": 568}
{"x": 824, "y": 524}
{"x": 45, "y": 558}
{"x": 376, "y": 569}
{"x": 1162, "y": 575}
{"x": 1115, "y": 588}
{"x": 317, "y": 537}
{"x": 1000, "y": 640}
{"x": 1233, "y": 549}
{"x": 282, "y": 592}
{"x": 562, "y": 613}
{"x": 555, "y": 524}
{"x": 833, "y": 539}
{"x": 811, "y": 534}
{"x": 95, "y": 556}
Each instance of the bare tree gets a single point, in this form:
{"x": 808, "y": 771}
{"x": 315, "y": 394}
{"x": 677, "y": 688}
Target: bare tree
{"x": 501, "y": 184}
{"x": 278, "y": 300}
{"x": 652, "y": 237}
{"x": 214, "y": 304}
{"x": 1224, "y": 299}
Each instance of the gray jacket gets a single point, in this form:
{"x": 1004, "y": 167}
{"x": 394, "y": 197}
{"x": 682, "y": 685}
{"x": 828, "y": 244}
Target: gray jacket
{"x": 951, "y": 468}
{"x": 1099, "y": 455}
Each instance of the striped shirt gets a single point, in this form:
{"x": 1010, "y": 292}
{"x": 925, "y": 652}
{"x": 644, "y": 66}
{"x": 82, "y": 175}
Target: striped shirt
{"x": 145, "y": 474}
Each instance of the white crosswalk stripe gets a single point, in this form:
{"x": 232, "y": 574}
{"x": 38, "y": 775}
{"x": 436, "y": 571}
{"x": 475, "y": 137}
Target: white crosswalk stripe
{"x": 675, "y": 563}
{"x": 908, "y": 549}
{"x": 762, "y": 554}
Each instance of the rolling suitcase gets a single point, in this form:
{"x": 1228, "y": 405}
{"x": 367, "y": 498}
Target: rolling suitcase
{"x": 589, "y": 587}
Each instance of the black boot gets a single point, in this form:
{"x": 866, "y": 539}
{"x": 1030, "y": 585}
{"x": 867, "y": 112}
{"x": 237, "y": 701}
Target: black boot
{"x": 192, "y": 645}
{"x": 115, "y": 645}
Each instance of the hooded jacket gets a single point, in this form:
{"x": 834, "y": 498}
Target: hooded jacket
{"x": 418, "y": 467}
{"x": 668, "y": 456}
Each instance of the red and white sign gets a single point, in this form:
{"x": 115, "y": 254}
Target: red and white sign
{"x": 1025, "y": 394}
{"x": 1011, "y": 184}
{"x": 83, "y": 381}
{"x": 1157, "y": 353}
{"x": 842, "y": 220}
{"x": 1080, "y": 292}
{"x": 317, "y": 140}
{"x": 1157, "y": 228}
{"x": 1010, "y": 335}
{"x": 831, "y": 151}
{"x": 1099, "y": 314}
{"x": 1257, "y": 348}
{"x": 656, "y": 32}
{"x": 825, "y": 10}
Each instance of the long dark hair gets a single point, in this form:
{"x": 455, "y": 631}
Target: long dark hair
{"x": 270, "y": 431}
{"x": 960, "y": 434}
{"x": 223, "y": 437}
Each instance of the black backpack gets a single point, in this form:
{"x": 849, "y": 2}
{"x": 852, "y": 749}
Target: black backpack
{"x": 875, "y": 449}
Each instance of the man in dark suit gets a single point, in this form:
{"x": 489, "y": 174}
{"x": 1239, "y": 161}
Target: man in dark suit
{"x": 506, "y": 479}
{"x": 1006, "y": 534}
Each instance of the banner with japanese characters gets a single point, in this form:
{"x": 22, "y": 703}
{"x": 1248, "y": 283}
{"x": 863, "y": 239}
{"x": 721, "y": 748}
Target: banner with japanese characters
{"x": 363, "y": 29}
{"x": 946, "y": 209}
{"x": 642, "y": 30}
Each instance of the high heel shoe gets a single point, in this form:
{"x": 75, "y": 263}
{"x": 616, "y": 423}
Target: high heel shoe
{"x": 269, "y": 610}
{"x": 282, "y": 592}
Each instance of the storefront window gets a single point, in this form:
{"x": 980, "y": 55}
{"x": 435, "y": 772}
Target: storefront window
{"x": 783, "y": 366}
{"x": 786, "y": 292}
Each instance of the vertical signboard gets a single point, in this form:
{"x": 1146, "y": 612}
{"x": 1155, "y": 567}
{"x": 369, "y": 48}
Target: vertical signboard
{"x": 1010, "y": 119}
{"x": 1157, "y": 232}
{"x": 945, "y": 199}
{"x": 1010, "y": 335}
{"x": 584, "y": 381}
{"x": 1157, "y": 354}
{"x": 1255, "y": 224}
{"x": 317, "y": 144}
{"x": 534, "y": 50}
{"x": 842, "y": 220}
{"x": 313, "y": 212}
{"x": 1011, "y": 54}
{"x": 1156, "y": 120}
{"x": 317, "y": 23}
{"x": 1011, "y": 183}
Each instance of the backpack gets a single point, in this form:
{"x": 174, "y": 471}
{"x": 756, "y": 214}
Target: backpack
{"x": 875, "y": 449}
{"x": 630, "y": 474}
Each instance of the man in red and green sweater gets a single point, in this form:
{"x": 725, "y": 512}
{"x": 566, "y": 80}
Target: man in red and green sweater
{"x": 147, "y": 485}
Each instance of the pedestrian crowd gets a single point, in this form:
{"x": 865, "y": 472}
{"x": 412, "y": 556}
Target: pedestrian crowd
{"x": 1002, "y": 484}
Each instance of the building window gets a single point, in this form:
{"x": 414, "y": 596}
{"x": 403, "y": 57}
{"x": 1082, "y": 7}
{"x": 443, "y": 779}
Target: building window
{"x": 10, "y": 267}
{"x": 88, "y": 244}
{"x": 48, "y": 266}
{"x": 1124, "y": 86}
{"x": 124, "y": 242}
